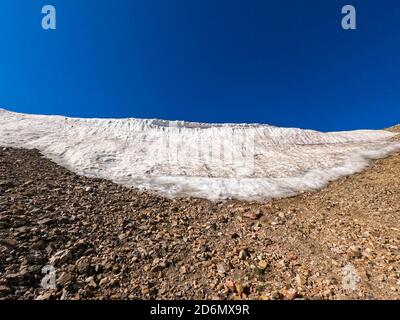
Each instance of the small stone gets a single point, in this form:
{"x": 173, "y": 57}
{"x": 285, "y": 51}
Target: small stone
{"x": 222, "y": 268}
{"x": 183, "y": 270}
{"x": 83, "y": 266}
{"x": 239, "y": 288}
{"x": 354, "y": 251}
{"x": 253, "y": 215}
{"x": 13, "y": 277}
{"x": 22, "y": 229}
{"x": 64, "y": 278}
{"x": 4, "y": 290}
{"x": 234, "y": 235}
{"x": 91, "y": 283}
{"x": 258, "y": 271}
{"x": 291, "y": 294}
{"x": 6, "y": 183}
{"x": 104, "y": 282}
{"x": 64, "y": 295}
{"x": 9, "y": 242}
{"x": 45, "y": 296}
{"x": 367, "y": 253}
{"x": 40, "y": 244}
{"x": 162, "y": 290}
{"x": 243, "y": 254}
{"x": 275, "y": 295}
{"x": 145, "y": 290}
{"x": 262, "y": 264}
{"x": 60, "y": 257}
{"x": 46, "y": 221}
{"x": 300, "y": 279}
{"x": 230, "y": 285}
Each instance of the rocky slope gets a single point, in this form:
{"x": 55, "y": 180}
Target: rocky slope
{"x": 111, "y": 242}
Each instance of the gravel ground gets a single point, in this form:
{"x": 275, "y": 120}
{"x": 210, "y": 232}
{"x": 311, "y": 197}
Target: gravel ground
{"x": 111, "y": 242}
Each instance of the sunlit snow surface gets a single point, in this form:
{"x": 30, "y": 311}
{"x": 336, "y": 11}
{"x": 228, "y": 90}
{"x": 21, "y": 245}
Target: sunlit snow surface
{"x": 214, "y": 161}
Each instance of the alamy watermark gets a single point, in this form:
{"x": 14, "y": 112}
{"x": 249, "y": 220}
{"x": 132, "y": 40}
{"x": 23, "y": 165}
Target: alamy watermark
{"x": 350, "y": 278}
{"x": 49, "y": 280}
{"x": 49, "y": 20}
{"x": 349, "y": 21}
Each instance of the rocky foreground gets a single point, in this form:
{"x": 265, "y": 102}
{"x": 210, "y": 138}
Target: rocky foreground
{"x": 110, "y": 242}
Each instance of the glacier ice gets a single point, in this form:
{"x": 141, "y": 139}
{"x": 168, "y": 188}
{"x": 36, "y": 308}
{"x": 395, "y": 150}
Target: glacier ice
{"x": 213, "y": 161}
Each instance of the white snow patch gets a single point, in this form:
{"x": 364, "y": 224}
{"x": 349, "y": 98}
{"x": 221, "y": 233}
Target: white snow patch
{"x": 213, "y": 161}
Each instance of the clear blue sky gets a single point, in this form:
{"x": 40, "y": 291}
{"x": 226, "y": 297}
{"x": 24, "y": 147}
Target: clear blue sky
{"x": 286, "y": 63}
